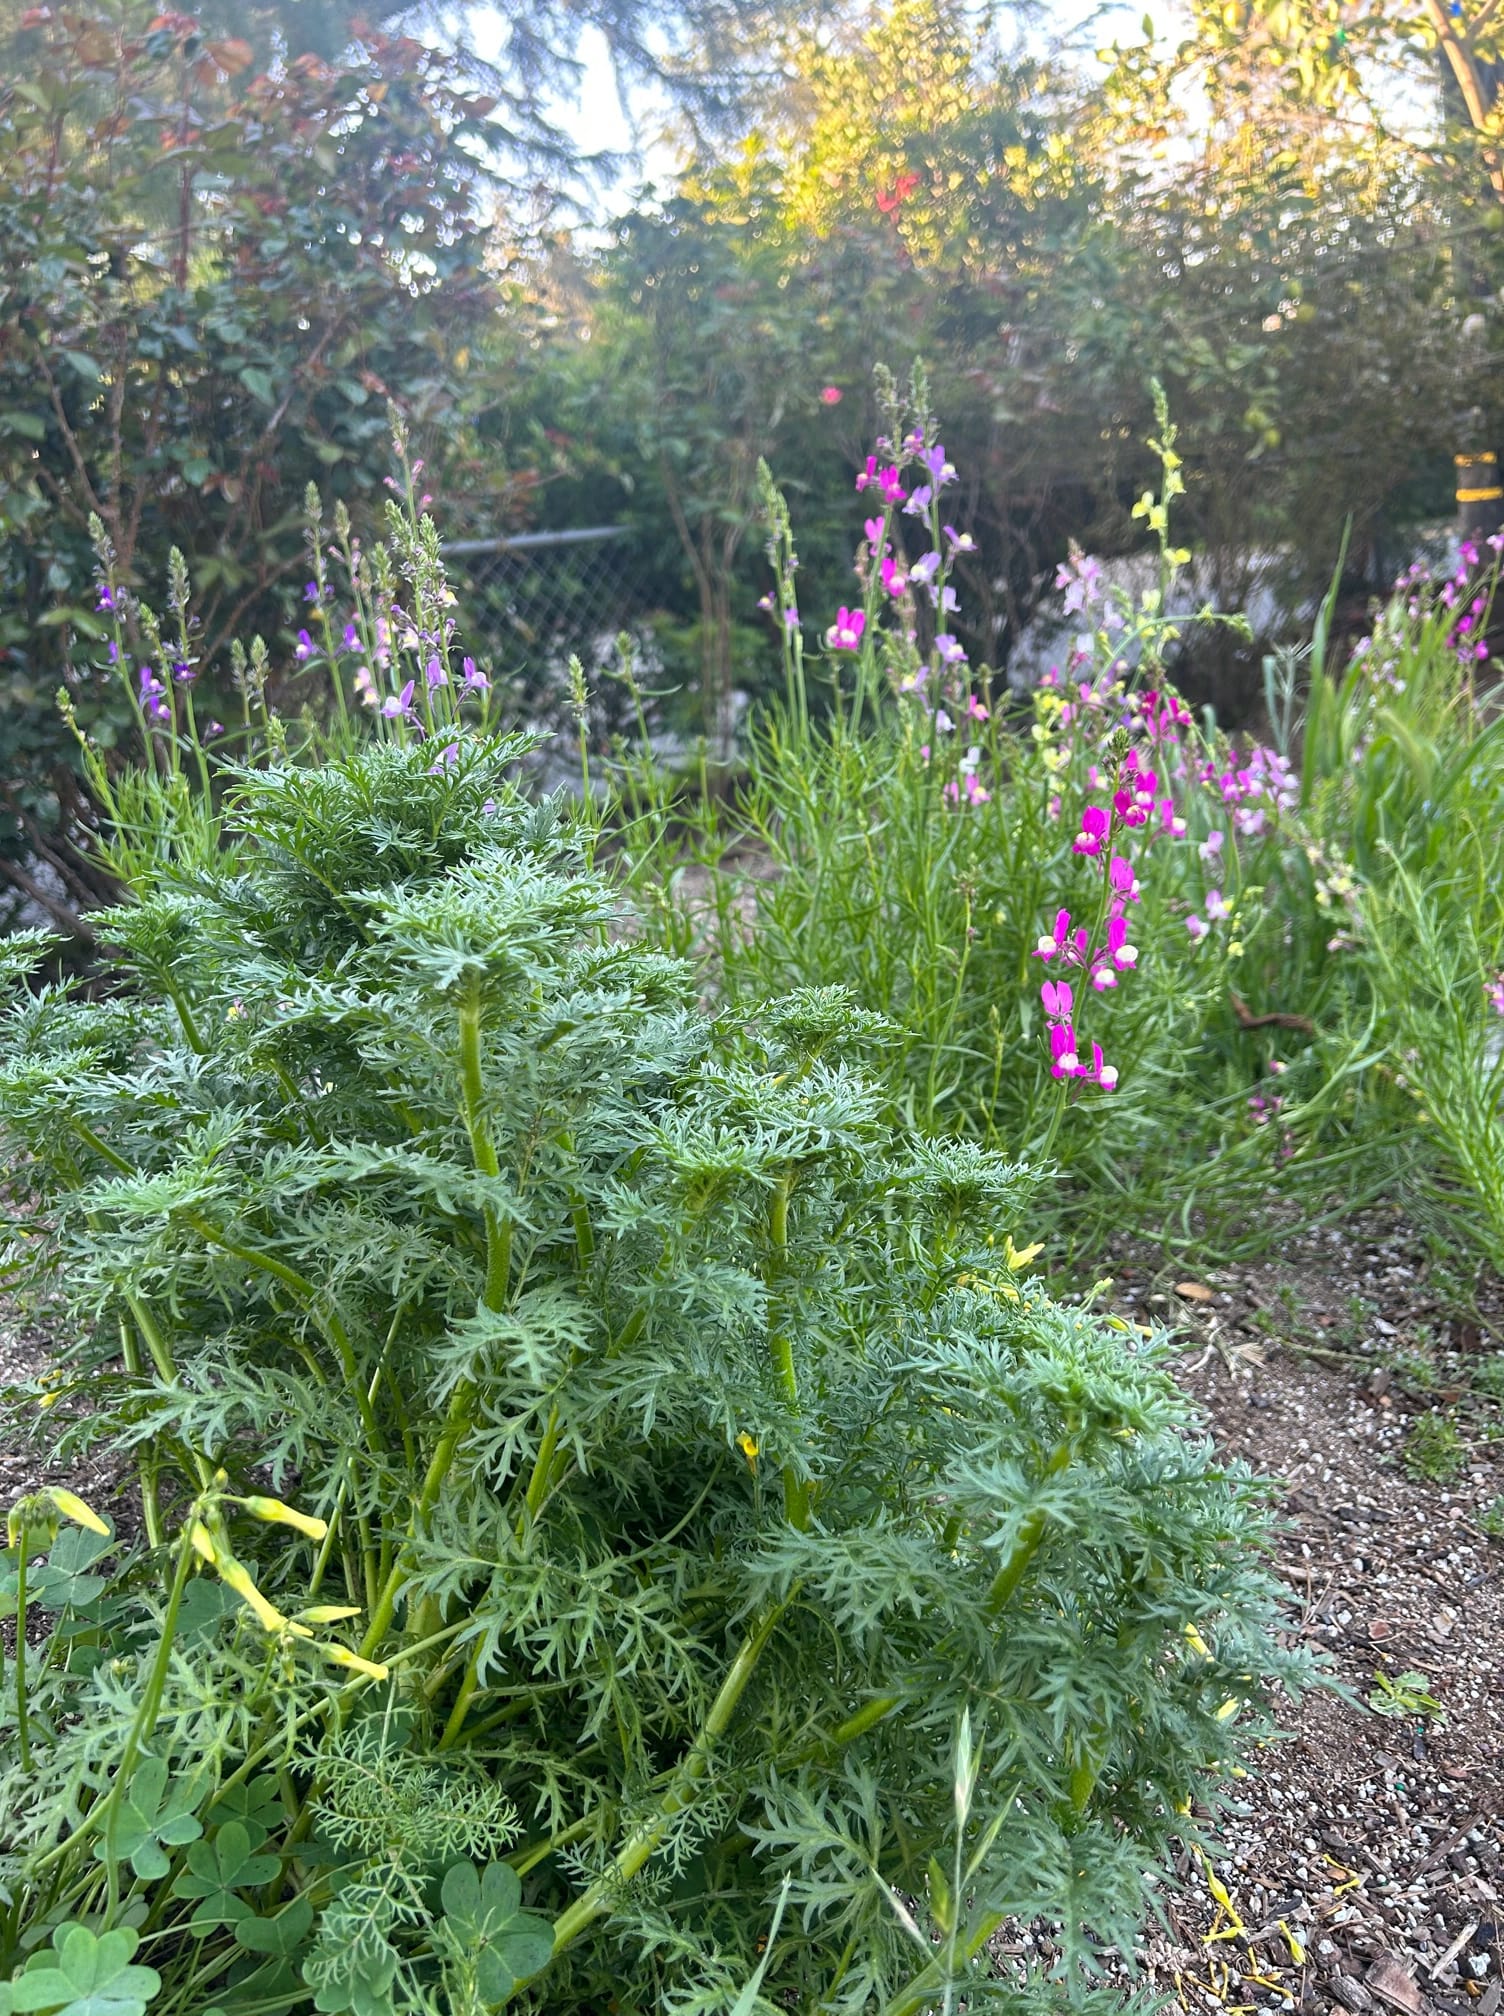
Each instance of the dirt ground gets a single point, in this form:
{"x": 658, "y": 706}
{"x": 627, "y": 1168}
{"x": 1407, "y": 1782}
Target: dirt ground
{"x": 1362, "y": 1862}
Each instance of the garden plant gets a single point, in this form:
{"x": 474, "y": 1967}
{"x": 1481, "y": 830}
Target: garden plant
{"x": 612, "y": 1516}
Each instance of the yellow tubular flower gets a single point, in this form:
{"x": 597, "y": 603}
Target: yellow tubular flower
{"x": 1197, "y": 1643}
{"x": 1015, "y": 1259}
{"x": 75, "y": 1509}
{"x": 275, "y": 1513}
{"x": 343, "y": 1656}
{"x": 235, "y": 1577}
{"x": 329, "y": 1613}
{"x": 202, "y": 1543}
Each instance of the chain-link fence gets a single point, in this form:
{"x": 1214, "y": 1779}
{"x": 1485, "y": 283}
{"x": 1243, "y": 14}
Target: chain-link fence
{"x": 531, "y": 602}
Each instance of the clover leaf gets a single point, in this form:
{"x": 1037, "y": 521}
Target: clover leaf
{"x": 278, "y": 1937}
{"x": 85, "y": 1974}
{"x": 139, "y": 1827}
{"x": 256, "y": 1804}
{"x": 363, "y": 1985}
{"x": 216, "y": 1870}
{"x": 507, "y": 1945}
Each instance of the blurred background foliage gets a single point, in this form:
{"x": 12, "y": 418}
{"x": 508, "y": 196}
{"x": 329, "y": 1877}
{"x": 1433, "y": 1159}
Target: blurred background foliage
{"x": 228, "y": 242}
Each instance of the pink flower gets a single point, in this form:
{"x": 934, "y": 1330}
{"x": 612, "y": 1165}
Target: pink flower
{"x": 1124, "y": 882}
{"x": 401, "y": 703}
{"x": 1211, "y": 846}
{"x": 1195, "y": 926}
{"x": 845, "y": 634}
{"x": 830, "y": 395}
{"x": 365, "y": 687}
{"x": 1058, "y": 1000}
{"x": 975, "y": 709}
{"x": 868, "y": 475}
{"x": 1095, "y": 827}
{"x": 873, "y": 527}
{"x": 1071, "y": 947}
{"x": 1117, "y": 956}
{"x": 1097, "y": 1072}
{"x": 1216, "y": 909}
{"x": 892, "y": 490}
{"x": 1170, "y": 820}
{"x": 894, "y": 579}
{"x": 1064, "y": 1062}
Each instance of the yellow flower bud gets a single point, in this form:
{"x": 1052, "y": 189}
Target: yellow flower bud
{"x": 329, "y": 1613}
{"x": 748, "y": 1446}
{"x": 1197, "y": 1643}
{"x": 275, "y": 1513}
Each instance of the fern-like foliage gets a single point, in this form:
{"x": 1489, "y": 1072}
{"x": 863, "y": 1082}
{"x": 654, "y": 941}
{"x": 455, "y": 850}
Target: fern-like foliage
{"x": 676, "y": 1461}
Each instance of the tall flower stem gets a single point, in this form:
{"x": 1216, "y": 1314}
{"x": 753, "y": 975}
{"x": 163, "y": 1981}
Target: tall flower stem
{"x": 649, "y": 1833}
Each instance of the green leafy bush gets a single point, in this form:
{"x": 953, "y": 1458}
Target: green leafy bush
{"x": 591, "y": 1470}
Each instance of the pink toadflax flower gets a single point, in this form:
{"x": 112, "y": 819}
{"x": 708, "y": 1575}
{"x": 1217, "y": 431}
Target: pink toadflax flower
{"x": 1064, "y": 1063}
{"x": 845, "y": 634}
{"x": 1095, "y": 827}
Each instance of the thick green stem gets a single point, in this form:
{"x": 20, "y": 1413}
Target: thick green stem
{"x": 456, "y": 1421}
{"x": 1030, "y": 1534}
{"x": 23, "y": 1724}
{"x": 795, "y": 1487}
{"x": 921, "y": 1991}
{"x": 146, "y": 1459}
{"x": 156, "y": 1685}
{"x": 648, "y": 1835}
{"x": 482, "y": 1147}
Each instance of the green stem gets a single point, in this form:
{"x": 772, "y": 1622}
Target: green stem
{"x": 146, "y": 1460}
{"x": 482, "y": 1147}
{"x": 456, "y": 1421}
{"x": 920, "y": 1993}
{"x": 648, "y": 1835}
{"x": 151, "y": 1701}
{"x": 795, "y": 1488}
{"x": 23, "y": 1725}
{"x": 1013, "y": 1570}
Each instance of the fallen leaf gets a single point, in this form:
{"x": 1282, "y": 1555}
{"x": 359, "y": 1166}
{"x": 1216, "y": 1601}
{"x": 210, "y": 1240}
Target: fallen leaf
{"x": 1194, "y": 1291}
